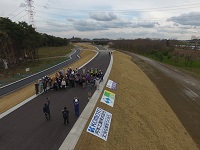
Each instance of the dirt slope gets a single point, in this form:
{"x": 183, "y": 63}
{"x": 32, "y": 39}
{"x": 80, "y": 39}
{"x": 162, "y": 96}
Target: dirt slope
{"x": 141, "y": 119}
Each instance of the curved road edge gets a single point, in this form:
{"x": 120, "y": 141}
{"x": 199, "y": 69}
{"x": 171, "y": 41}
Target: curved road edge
{"x": 73, "y": 136}
{"x": 32, "y": 97}
{"x": 7, "y": 89}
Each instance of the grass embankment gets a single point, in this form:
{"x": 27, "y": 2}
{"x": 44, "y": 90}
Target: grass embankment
{"x": 85, "y": 45}
{"x": 45, "y": 52}
{"x": 19, "y": 72}
{"x": 10, "y": 100}
{"x": 141, "y": 118}
{"x": 193, "y": 69}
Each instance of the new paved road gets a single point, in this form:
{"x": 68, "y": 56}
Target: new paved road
{"x": 12, "y": 87}
{"x": 26, "y": 127}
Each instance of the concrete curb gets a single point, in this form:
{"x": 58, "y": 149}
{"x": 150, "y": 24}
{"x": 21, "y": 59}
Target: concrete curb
{"x": 73, "y": 136}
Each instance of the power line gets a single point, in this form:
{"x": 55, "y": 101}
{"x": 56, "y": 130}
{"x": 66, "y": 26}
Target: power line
{"x": 132, "y": 10}
{"x": 52, "y": 13}
{"x": 49, "y": 19}
{"x": 14, "y": 11}
{"x": 21, "y": 17}
{"x": 18, "y": 14}
{"x": 143, "y": 19}
{"x": 155, "y": 19}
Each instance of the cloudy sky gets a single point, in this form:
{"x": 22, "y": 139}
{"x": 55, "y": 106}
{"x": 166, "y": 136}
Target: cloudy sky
{"x": 114, "y": 19}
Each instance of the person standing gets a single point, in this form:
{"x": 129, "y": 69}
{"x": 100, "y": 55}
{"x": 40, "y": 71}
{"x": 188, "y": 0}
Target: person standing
{"x": 83, "y": 70}
{"x": 63, "y": 84}
{"x": 40, "y": 85}
{"x": 36, "y": 87}
{"x": 97, "y": 81}
{"x": 46, "y": 109}
{"x": 65, "y": 113}
{"x": 76, "y": 106}
{"x": 44, "y": 84}
{"x": 56, "y": 85}
{"x": 89, "y": 91}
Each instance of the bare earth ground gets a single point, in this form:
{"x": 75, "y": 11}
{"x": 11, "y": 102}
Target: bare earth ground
{"x": 8, "y": 101}
{"x": 141, "y": 117}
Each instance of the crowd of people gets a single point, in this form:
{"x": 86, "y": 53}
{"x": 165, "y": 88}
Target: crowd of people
{"x": 70, "y": 78}
{"x": 65, "y": 111}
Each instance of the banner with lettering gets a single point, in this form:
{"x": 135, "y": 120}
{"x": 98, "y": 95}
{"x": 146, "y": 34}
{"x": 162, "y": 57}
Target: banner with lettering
{"x": 108, "y": 98}
{"x": 111, "y": 84}
{"x": 100, "y": 123}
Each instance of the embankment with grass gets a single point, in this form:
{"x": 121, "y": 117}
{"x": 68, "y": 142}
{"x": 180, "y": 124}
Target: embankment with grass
{"x": 141, "y": 117}
{"x": 48, "y": 57}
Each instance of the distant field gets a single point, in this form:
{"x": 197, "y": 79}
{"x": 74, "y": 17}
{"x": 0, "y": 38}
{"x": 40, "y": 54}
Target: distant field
{"x": 193, "y": 70}
{"x": 19, "y": 72}
{"x": 86, "y": 46}
{"x": 45, "y": 52}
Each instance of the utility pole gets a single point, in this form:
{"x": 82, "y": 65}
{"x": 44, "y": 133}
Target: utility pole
{"x": 30, "y": 11}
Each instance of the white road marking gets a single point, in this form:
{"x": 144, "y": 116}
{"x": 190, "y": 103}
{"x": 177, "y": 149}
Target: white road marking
{"x": 191, "y": 93}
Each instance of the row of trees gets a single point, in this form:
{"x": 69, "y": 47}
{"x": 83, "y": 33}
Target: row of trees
{"x": 19, "y": 42}
{"x": 99, "y": 41}
{"x": 140, "y": 46}
{"x": 159, "y": 49}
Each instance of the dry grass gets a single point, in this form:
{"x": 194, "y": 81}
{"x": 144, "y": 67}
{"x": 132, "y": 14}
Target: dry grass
{"x": 141, "y": 119}
{"x": 46, "y": 52}
{"x": 85, "y": 46}
{"x": 10, "y": 100}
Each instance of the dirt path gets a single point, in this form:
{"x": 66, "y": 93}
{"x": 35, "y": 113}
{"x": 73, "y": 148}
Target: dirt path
{"x": 180, "y": 91}
{"x": 141, "y": 117}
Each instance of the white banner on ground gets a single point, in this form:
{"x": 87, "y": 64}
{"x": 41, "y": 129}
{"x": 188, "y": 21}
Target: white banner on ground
{"x": 111, "y": 84}
{"x": 108, "y": 98}
{"x": 100, "y": 123}
{"x": 27, "y": 69}
{"x": 5, "y": 63}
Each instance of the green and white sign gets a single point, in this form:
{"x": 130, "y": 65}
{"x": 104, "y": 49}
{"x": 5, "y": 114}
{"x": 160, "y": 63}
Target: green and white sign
{"x": 108, "y": 98}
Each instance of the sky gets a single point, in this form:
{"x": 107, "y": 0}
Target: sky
{"x": 113, "y": 19}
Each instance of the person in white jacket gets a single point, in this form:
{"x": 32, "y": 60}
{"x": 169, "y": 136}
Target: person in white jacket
{"x": 97, "y": 81}
{"x": 63, "y": 84}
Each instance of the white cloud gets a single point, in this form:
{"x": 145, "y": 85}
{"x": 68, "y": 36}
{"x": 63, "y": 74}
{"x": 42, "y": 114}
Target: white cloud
{"x": 147, "y": 24}
{"x": 191, "y": 18}
{"x": 87, "y": 25}
{"x": 93, "y": 25}
{"x": 110, "y": 18}
{"x": 103, "y": 16}
{"x": 22, "y": 5}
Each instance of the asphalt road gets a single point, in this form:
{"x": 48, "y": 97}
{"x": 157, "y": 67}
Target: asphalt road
{"x": 27, "y": 129}
{"x": 181, "y": 91}
{"x": 21, "y": 83}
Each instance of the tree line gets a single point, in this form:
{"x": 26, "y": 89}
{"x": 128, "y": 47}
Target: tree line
{"x": 19, "y": 42}
{"x": 158, "y": 49}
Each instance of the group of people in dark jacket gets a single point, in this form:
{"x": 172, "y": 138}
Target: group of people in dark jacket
{"x": 64, "y": 79}
{"x": 69, "y": 78}
{"x": 65, "y": 111}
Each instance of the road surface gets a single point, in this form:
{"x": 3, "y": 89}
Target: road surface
{"x": 21, "y": 83}
{"x": 27, "y": 128}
